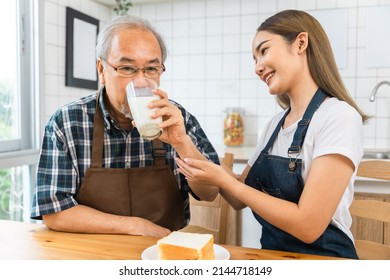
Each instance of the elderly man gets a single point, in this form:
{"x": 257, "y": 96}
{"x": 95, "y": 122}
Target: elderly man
{"x": 96, "y": 174}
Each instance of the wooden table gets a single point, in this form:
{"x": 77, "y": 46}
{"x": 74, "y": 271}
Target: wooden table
{"x": 27, "y": 241}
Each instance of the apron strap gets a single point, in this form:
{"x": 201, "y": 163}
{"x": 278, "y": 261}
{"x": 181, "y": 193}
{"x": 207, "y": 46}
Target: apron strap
{"x": 98, "y": 136}
{"x": 159, "y": 152}
{"x": 303, "y": 124}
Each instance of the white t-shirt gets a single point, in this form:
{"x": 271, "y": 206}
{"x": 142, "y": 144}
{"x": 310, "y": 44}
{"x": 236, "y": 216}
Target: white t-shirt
{"x": 335, "y": 128}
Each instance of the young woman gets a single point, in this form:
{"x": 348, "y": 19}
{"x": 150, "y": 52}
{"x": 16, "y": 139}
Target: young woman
{"x": 299, "y": 182}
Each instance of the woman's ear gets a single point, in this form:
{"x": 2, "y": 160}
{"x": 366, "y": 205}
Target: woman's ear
{"x": 100, "y": 68}
{"x": 302, "y": 41}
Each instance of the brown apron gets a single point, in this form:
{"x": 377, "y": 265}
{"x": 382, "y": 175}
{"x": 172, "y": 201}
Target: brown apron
{"x": 148, "y": 192}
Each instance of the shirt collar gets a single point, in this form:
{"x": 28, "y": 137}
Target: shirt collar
{"x": 109, "y": 122}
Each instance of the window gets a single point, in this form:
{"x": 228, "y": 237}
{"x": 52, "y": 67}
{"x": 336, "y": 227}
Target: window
{"x": 8, "y": 76}
{"x": 18, "y": 151}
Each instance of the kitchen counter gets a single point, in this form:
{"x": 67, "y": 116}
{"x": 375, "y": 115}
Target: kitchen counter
{"x": 241, "y": 153}
{"x": 366, "y": 185}
{"x": 370, "y": 185}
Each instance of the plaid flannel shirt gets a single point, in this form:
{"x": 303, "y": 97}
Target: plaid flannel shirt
{"x": 66, "y": 153}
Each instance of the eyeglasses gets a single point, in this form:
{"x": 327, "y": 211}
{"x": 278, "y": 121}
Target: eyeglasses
{"x": 130, "y": 71}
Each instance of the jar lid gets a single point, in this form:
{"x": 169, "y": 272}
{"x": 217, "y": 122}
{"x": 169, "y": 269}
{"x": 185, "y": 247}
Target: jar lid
{"x": 234, "y": 110}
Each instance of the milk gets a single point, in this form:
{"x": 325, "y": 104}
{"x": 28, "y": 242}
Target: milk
{"x": 147, "y": 127}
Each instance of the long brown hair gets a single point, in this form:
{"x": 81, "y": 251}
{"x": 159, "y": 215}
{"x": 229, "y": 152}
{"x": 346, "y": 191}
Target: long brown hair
{"x": 320, "y": 58}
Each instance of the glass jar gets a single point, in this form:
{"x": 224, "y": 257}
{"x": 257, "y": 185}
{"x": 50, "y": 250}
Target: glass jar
{"x": 233, "y": 127}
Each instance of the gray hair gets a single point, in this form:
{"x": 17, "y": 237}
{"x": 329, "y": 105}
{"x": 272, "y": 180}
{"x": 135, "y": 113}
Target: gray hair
{"x": 122, "y": 23}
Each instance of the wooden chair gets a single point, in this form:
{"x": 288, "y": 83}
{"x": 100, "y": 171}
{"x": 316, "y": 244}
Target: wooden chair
{"x": 213, "y": 217}
{"x": 372, "y": 214}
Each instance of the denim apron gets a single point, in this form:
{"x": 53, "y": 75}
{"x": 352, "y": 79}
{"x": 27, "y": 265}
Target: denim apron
{"x": 282, "y": 178}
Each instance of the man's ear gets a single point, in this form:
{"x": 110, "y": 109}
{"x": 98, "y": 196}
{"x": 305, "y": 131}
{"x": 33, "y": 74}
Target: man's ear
{"x": 100, "y": 68}
{"x": 302, "y": 41}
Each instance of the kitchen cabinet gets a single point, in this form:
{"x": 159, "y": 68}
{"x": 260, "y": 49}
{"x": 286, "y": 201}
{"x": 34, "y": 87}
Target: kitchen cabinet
{"x": 335, "y": 23}
{"x": 378, "y": 41}
{"x": 371, "y": 230}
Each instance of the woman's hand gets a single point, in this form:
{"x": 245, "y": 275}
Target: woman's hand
{"x": 208, "y": 173}
{"x": 201, "y": 171}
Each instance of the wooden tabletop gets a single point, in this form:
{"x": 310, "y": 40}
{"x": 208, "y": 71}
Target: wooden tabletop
{"x": 27, "y": 241}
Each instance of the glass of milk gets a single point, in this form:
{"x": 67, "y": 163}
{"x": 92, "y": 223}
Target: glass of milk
{"x": 139, "y": 95}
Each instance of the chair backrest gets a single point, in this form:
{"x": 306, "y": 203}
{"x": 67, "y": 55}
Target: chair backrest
{"x": 368, "y": 214}
{"x": 213, "y": 217}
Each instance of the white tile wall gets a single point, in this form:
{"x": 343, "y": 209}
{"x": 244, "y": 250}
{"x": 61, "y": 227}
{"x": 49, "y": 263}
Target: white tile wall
{"x": 210, "y": 64}
{"x": 55, "y": 92}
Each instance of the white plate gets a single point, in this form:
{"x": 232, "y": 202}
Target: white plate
{"x": 151, "y": 253}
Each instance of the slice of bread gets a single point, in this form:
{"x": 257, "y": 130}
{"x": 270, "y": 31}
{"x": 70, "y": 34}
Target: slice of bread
{"x": 186, "y": 246}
